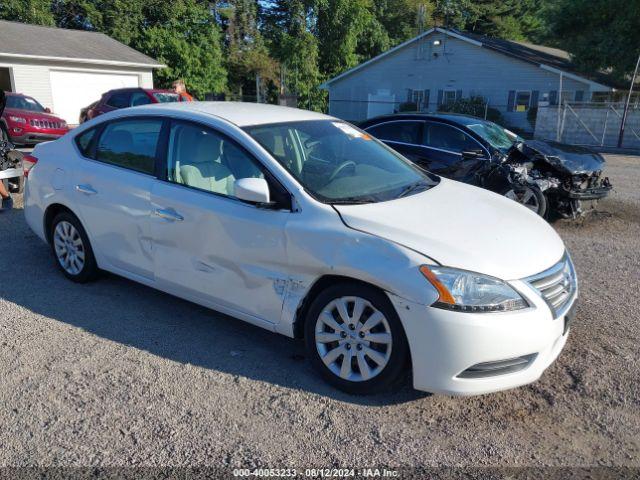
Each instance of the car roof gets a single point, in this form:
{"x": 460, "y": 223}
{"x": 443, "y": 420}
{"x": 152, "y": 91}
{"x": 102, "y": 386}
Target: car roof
{"x": 243, "y": 114}
{"x": 451, "y": 117}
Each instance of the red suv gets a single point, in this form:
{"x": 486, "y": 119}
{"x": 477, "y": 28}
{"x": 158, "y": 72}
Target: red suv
{"x": 24, "y": 121}
{"x": 127, "y": 97}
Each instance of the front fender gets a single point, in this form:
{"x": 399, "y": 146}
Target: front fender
{"x": 329, "y": 248}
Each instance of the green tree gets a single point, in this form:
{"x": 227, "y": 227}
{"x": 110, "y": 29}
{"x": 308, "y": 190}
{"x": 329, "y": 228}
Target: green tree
{"x": 600, "y": 34}
{"x": 37, "y": 12}
{"x": 182, "y": 34}
{"x": 340, "y": 27}
{"x": 248, "y": 59}
{"x": 189, "y": 44}
{"x": 287, "y": 26}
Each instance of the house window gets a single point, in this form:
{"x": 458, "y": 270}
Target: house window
{"x": 523, "y": 101}
{"x": 449, "y": 97}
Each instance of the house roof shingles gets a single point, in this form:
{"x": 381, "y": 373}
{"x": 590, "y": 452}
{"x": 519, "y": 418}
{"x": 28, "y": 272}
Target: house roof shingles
{"x": 527, "y": 52}
{"x": 74, "y": 45}
{"x": 540, "y": 54}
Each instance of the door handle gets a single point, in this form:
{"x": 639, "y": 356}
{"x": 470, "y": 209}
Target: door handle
{"x": 168, "y": 214}
{"x": 86, "y": 189}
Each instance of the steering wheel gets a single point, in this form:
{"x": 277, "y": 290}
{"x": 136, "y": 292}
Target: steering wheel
{"x": 340, "y": 168}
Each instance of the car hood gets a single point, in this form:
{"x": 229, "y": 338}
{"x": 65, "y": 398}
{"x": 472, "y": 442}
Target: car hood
{"x": 465, "y": 227}
{"x": 28, "y": 114}
{"x": 570, "y": 159}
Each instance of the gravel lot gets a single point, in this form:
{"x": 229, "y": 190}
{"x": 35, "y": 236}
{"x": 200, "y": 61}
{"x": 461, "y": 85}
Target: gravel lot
{"x": 117, "y": 374}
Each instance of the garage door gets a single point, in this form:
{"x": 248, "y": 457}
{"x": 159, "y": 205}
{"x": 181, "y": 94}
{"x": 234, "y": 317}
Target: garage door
{"x": 72, "y": 91}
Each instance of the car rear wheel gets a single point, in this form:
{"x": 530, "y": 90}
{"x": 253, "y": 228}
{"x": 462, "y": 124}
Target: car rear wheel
{"x": 72, "y": 249}
{"x": 528, "y": 196}
{"x": 356, "y": 340}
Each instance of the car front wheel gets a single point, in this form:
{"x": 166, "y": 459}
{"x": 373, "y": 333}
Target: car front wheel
{"x": 356, "y": 340}
{"x": 529, "y": 196}
{"x": 72, "y": 249}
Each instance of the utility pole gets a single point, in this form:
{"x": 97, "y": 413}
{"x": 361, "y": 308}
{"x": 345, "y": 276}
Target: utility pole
{"x": 626, "y": 105}
{"x": 558, "y": 128}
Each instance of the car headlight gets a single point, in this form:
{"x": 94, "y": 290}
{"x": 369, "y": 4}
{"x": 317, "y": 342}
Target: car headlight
{"x": 17, "y": 119}
{"x": 465, "y": 291}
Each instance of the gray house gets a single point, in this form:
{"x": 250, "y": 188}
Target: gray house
{"x": 442, "y": 65}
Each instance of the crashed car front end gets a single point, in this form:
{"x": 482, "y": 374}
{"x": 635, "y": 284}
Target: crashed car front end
{"x": 570, "y": 176}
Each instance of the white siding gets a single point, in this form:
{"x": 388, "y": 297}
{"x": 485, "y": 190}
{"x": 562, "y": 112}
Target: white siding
{"x": 459, "y": 65}
{"x": 33, "y": 80}
{"x": 146, "y": 79}
{"x": 32, "y": 77}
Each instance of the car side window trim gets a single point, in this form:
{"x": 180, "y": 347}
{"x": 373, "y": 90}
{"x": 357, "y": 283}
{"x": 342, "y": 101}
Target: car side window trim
{"x": 423, "y": 125}
{"x": 163, "y": 159}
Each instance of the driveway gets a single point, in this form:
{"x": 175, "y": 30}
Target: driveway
{"x": 116, "y": 374}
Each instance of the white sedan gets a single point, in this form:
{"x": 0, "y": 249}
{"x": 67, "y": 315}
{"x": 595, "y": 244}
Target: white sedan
{"x": 304, "y": 225}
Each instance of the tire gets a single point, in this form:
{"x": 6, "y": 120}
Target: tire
{"x": 68, "y": 235}
{"x": 4, "y": 136}
{"x": 385, "y": 364}
{"x": 528, "y": 196}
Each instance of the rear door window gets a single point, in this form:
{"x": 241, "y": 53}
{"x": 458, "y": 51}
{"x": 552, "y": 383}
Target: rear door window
{"x": 119, "y": 100}
{"x": 130, "y": 144}
{"x": 139, "y": 98}
{"x": 407, "y": 131}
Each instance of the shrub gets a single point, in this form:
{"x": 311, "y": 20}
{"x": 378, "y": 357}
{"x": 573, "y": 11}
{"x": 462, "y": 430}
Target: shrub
{"x": 408, "y": 107}
{"x": 474, "y": 106}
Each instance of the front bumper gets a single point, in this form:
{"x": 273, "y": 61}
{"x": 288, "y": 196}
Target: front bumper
{"x": 446, "y": 346}
{"x": 35, "y": 137}
{"x": 11, "y": 173}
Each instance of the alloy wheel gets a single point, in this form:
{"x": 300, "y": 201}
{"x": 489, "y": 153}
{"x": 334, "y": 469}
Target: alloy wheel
{"x": 353, "y": 339}
{"x": 526, "y": 197}
{"x": 69, "y": 248}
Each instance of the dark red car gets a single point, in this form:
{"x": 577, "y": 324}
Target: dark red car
{"x": 24, "y": 121}
{"x": 127, "y": 97}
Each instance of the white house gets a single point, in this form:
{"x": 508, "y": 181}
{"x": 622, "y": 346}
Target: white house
{"x": 442, "y": 65}
{"x": 66, "y": 70}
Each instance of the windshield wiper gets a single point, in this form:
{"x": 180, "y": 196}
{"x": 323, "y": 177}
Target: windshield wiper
{"x": 413, "y": 188}
{"x": 353, "y": 201}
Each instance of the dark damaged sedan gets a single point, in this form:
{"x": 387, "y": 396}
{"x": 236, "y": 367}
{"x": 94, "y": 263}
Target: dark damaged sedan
{"x": 550, "y": 178}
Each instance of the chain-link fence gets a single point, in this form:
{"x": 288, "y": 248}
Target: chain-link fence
{"x": 589, "y": 123}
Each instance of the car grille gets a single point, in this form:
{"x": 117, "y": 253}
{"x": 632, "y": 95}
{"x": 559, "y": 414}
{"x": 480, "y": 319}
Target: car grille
{"x": 45, "y": 124}
{"x": 557, "y": 285}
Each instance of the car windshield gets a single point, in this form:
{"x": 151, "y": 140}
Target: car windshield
{"x": 23, "y": 103}
{"x": 166, "y": 97}
{"x": 338, "y": 163}
{"x": 492, "y": 133}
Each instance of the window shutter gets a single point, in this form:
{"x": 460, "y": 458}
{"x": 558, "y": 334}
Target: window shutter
{"x": 511, "y": 100}
{"x": 458, "y": 94}
{"x": 553, "y": 97}
{"x": 579, "y": 95}
{"x": 425, "y": 102}
{"x": 534, "y": 98}
{"x": 440, "y": 93}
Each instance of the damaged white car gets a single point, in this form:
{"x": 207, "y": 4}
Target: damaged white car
{"x": 302, "y": 224}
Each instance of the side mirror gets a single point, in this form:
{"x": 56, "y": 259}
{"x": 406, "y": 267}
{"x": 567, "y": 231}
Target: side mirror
{"x": 254, "y": 190}
{"x": 47, "y": 110}
{"x": 470, "y": 154}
